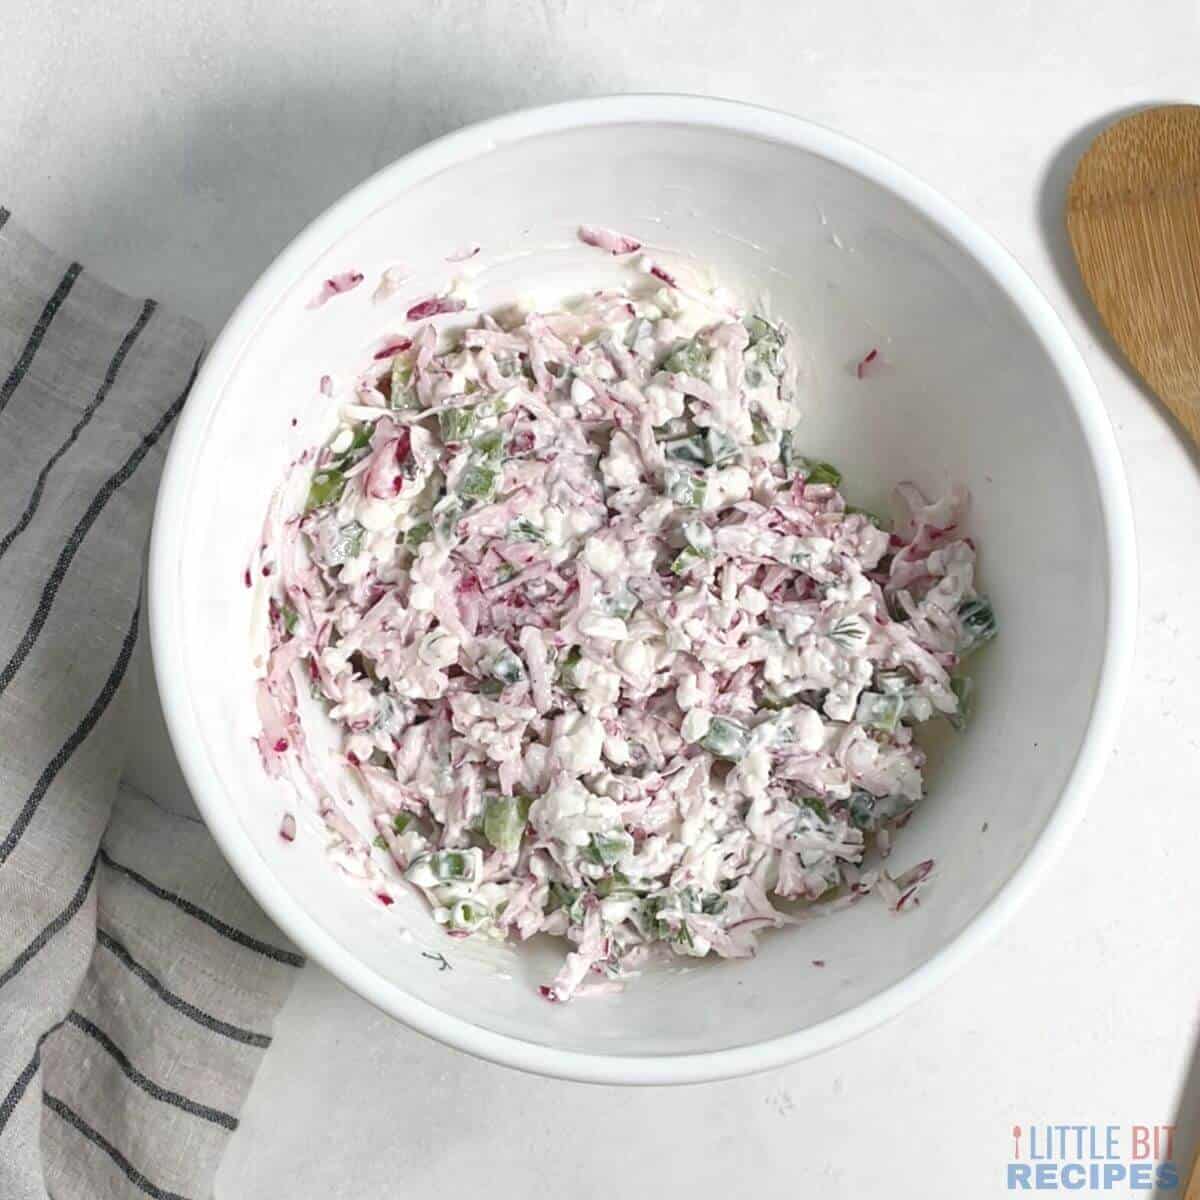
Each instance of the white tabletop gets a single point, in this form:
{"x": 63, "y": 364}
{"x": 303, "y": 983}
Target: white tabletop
{"x": 176, "y": 147}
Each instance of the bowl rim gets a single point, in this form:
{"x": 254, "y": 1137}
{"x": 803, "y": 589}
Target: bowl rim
{"x": 477, "y": 140}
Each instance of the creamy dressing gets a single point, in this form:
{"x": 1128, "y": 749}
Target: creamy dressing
{"x": 610, "y": 659}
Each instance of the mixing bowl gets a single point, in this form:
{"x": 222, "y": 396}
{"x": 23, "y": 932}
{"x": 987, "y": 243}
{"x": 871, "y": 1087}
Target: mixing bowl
{"x": 976, "y": 381}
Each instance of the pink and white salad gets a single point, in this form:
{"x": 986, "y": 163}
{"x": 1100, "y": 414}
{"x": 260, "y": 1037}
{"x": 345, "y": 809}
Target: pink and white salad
{"x": 609, "y": 656}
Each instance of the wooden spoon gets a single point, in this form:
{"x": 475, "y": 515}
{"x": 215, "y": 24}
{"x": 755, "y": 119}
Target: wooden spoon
{"x": 1133, "y": 216}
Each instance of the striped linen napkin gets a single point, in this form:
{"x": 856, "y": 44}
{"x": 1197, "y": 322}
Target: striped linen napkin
{"x": 138, "y": 980}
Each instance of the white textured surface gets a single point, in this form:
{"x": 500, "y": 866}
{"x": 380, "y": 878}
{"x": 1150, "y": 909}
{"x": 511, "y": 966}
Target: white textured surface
{"x": 176, "y": 148}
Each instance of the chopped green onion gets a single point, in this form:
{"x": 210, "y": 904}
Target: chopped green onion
{"x": 689, "y": 449}
{"x": 848, "y": 632}
{"x": 468, "y": 915}
{"x": 862, "y": 810}
{"x": 787, "y": 451}
{"x": 506, "y": 667}
{"x": 450, "y": 865}
{"x": 524, "y": 530}
{"x": 378, "y": 842}
{"x": 401, "y": 822}
{"x": 978, "y": 623}
{"x": 726, "y": 739}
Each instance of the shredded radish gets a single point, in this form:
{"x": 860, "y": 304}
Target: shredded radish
{"x": 610, "y": 657}
{"x": 605, "y": 239}
{"x": 861, "y": 369}
{"x": 435, "y": 306}
{"x": 335, "y": 285}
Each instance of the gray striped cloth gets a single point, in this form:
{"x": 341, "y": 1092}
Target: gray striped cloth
{"x": 138, "y": 980}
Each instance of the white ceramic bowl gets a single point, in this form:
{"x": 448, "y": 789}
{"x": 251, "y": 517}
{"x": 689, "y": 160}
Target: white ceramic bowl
{"x": 978, "y": 382}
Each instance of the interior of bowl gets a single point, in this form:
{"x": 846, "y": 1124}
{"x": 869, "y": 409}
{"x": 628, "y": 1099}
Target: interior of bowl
{"x": 964, "y": 391}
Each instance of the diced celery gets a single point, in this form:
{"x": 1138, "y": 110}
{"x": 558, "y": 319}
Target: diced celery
{"x": 816, "y": 805}
{"x": 720, "y": 446}
{"x": 605, "y": 849}
{"x": 686, "y": 559}
{"x": 403, "y": 393}
{"x": 764, "y": 356}
{"x": 566, "y": 670}
{"x": 327, "y": 486}
{"x": 401, "y": 822}
{"x": 875, "y": 519}
{"x": 686, "y": 490}
{"x": 290, "y": 618}
{"x": 477, "y": 482}
{"x": 346, "y": 543}
{"x": 895, "y": 681}
{"x": 688, "y": 358}
{"x": 568, "y": 898}
{"x": 699, "y": 537}
{"x": 963, "y": 688}
{"x": 504, "y": 819}
{"x": 880, "y": 710}
{"x": 637, "y": 330}
{"x": 490, "y": 445}
{"x": 378, "y": 842}
{"x": 820, "y": 472}
{"x": 446, "y": 513}
{"x": 764, "y": 432}
{"x": 457, "y": 424}
{"x": 726, "y": 739}
{"x": 621, "y": 604}
{"x": 419, "y": 533}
